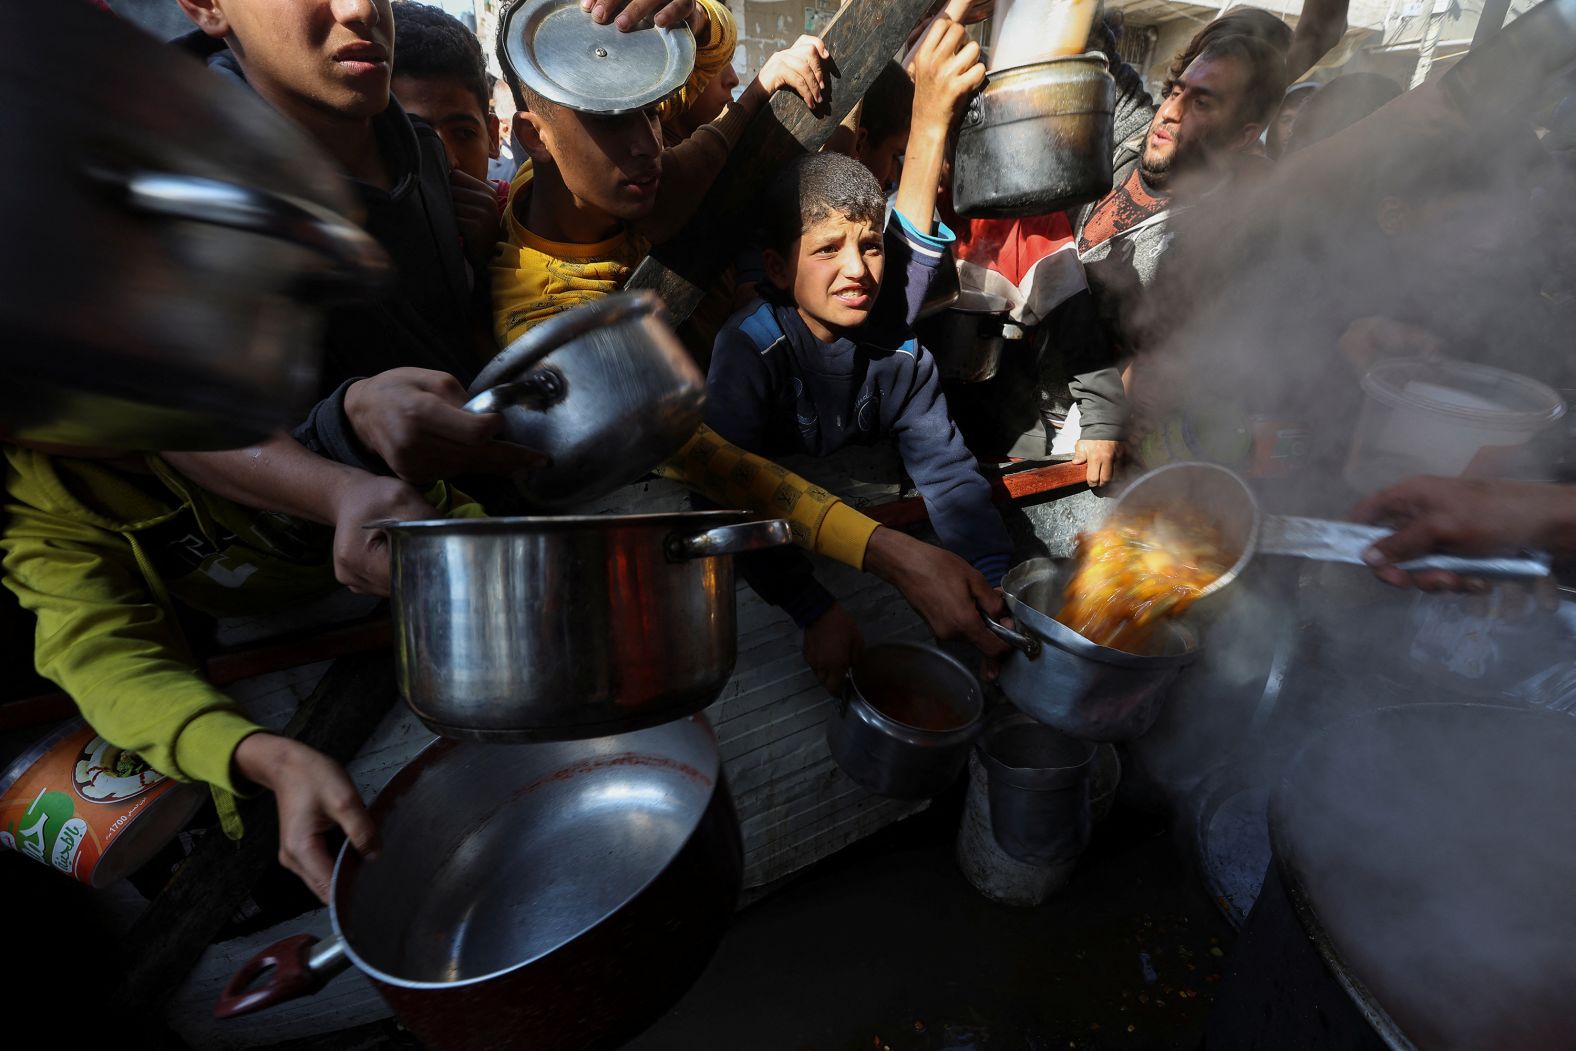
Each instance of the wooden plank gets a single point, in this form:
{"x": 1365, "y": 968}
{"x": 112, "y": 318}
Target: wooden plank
{"x": 175, "y": 930}
{"x": 863, "y": 37}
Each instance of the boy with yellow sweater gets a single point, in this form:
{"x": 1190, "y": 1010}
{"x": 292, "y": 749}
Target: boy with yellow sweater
{"x": 599, "y": 192}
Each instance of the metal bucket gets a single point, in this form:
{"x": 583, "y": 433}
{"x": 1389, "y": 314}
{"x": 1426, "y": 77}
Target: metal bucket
{"x": 1039, "y": 789}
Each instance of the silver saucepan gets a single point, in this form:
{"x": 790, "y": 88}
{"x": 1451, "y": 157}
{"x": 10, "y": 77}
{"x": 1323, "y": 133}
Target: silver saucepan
{"x": 605, "y": 391}
{"x": 550, "y": 897}
{"x": 1217, "y": 497}
{"x": 519, "y": 629}
{"x": 1085, "y": 690}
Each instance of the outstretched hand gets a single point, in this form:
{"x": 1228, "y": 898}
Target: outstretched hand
{"x": 947, "y": 592}
{"x": 314, "y": 796}
{"x": 800, "y": 68}
{"x": 1463, "y": 516}
{"x": 946, "y": 69}
{"x": 413, "y": 419}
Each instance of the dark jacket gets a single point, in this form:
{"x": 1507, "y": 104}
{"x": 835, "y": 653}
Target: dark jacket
{"x": 427, "y": 320}
{"x": 775, "y": 389}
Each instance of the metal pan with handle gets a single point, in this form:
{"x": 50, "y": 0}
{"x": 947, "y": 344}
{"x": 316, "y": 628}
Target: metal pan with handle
{"x": 1216, "y": 497}
{"x": 551, "y": 897}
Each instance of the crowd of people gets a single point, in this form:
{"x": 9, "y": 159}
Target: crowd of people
{"x": 501, "y": 208}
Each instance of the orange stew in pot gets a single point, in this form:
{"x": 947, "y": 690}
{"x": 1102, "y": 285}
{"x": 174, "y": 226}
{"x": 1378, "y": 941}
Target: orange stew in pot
{"x": 1131, "y": 575}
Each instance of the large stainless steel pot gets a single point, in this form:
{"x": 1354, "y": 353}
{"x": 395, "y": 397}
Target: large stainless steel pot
{"x": 551, "y": 897}
{"x": 1085, "y": 690}
{"x": 903, "y": 725}
{"x": 511, "y": 629}
{"x": 1419, "y": 892}
{"x": 606, "y": 391}
{"x": 166, "y": 237}
{"x": 1036, "y": 139}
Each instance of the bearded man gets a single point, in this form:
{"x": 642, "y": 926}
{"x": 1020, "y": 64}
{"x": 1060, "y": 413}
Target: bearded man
{"x": 1209, "y": 117}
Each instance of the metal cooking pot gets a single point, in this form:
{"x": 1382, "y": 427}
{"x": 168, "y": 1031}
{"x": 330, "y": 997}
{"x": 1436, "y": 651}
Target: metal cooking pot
{"x": 968, "y": 338}
{"x": 606, "y": 391}
{"x": 216, "y": 229}
{"x": 1039, "y": 781}
{"x": 1085, "y": 690}
{"x": 1036, "y": 139}
{"x": 552, "y": 897}
{"x": 1418, "y": 894}
{"x": 526, "y": 629}
{"x": 904, "y": 722}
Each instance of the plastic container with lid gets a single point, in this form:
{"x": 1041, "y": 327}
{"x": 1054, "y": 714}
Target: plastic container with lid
{"x": 1438, "y": 417}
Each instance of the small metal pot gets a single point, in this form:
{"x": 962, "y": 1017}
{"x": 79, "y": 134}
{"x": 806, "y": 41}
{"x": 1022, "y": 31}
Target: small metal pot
{"x": 556, "y": 897}
{"x": 1087, "y": 691}
{"x": 606, "y": 391}
{"x": 905, "y": 720}
{"x": 968, "y": 339}
{"x": 522, "y": 629}
{"x": 1036, "y": 139}
{"x": 1039, "y": 789}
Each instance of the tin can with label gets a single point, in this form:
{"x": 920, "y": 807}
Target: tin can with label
{"x": 89, "y": 809}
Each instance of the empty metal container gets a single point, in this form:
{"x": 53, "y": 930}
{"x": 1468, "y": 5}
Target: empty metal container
{"x": 1039, "y": 789}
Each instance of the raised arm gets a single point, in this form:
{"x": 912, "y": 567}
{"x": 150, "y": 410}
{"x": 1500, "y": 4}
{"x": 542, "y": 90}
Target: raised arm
{"x": 946, "y": 69}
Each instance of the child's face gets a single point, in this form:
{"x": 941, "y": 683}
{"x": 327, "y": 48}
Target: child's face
{"x": 833, "y": 271}
{"x": 613, "y": 164}
{"x": 469, "y": 133}
{"x": 302, "y": 55}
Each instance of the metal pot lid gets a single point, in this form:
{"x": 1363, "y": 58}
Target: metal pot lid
{"x": 519, "y": 357}
{"x": 561, "y": 54}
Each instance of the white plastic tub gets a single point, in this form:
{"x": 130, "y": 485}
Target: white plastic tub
{"x": 1437, "y": 417}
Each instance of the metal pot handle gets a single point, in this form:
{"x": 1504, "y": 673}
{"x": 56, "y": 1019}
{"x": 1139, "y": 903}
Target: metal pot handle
{"x": 301, "y": 966}
{"x": 256, "y": 211}
{"x": 1028, "y": 645}
{"x": 540, "y": 390}
{"x": 729, "y": 539}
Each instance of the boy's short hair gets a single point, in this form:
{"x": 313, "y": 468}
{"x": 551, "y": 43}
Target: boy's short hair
{"x": 815, "y": 188}
{"x": 430, "y": 42}
{"x": 888, "y": 105}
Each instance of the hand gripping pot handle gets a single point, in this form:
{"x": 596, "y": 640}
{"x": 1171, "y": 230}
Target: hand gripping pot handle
{"x": 540, "y": 390}
{"x": 729, "y": 539}
{"x": 1028, "y": 645}
{"x": 301, "y": 965}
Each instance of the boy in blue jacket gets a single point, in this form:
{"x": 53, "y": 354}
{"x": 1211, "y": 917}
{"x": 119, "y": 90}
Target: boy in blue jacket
{"x": 827, "y": 356}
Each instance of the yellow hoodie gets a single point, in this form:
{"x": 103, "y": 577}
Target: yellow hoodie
{"x": 102, "y": 556}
